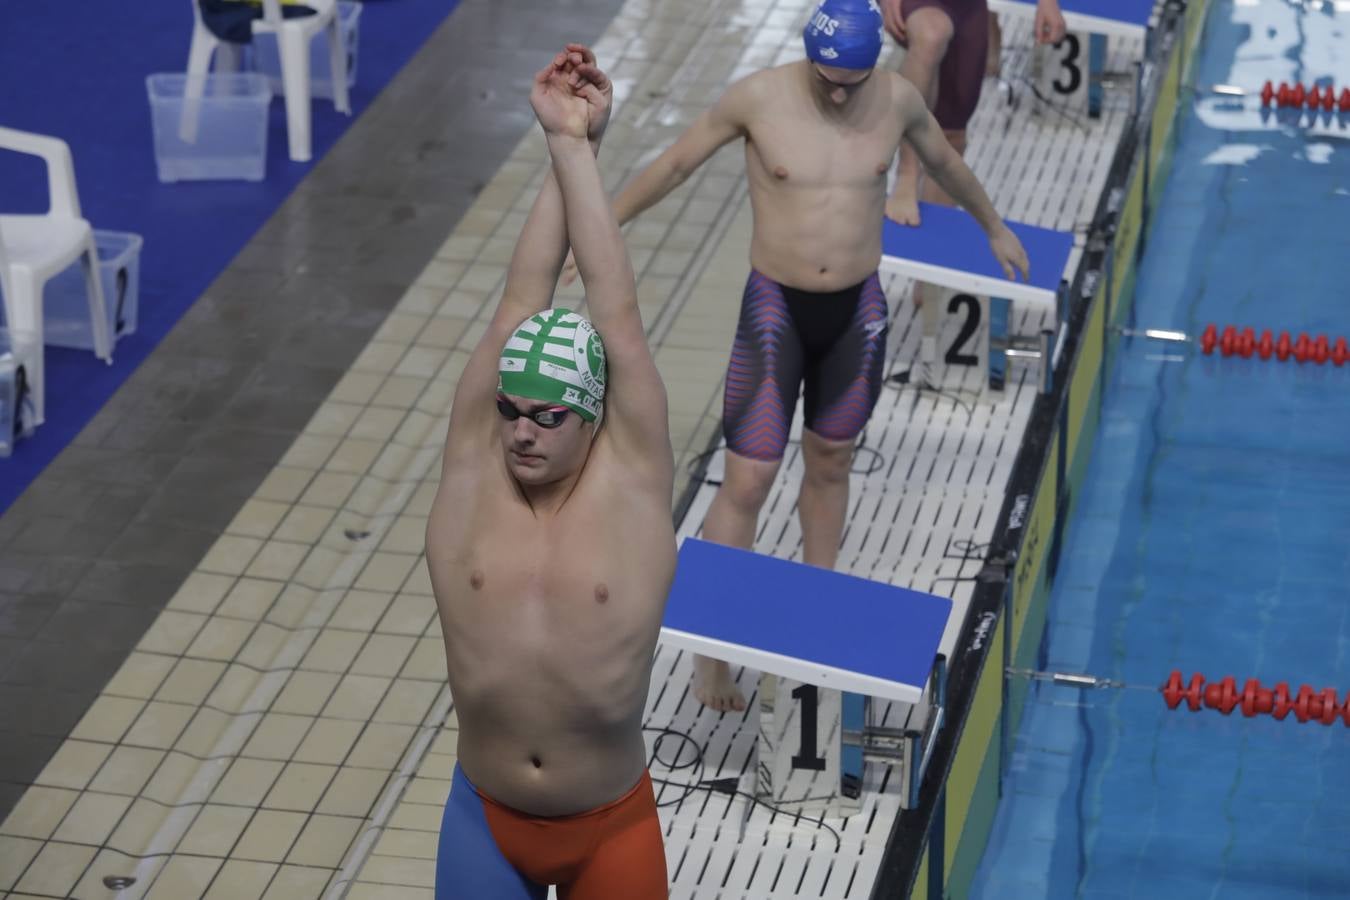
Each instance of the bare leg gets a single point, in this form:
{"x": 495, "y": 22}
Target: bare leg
{"x": 732, "y": 520}
{"x": 993, "y": 62}
{"x": 930, "y": 32}
{"x": 823, "y": 501}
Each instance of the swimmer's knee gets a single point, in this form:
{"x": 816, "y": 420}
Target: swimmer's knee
{"x": 747, "y": 482}
{"x": 828, "y": 461}
{"x": 929, "y": 32}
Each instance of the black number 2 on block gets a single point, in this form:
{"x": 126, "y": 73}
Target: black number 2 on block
{"x": 954, "y": 356}
{"x": 808, "y": 758}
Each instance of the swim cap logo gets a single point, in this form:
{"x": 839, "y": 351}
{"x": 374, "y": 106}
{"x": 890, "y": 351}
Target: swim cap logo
{"x": 824, "y": 24}
{"x": 829, "y": 53}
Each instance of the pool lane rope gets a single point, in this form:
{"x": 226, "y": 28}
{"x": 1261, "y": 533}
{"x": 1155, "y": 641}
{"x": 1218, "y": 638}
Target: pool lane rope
{"x": 1229, "y": 341}
{"x": 1307, "y": 704}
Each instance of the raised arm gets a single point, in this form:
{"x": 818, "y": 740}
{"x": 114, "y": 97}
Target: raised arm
{"x": 945, "y": 166}
{"x": 636, "y": 422}
{"x": 530, "y": 281}
{"x": 714, "y": 129}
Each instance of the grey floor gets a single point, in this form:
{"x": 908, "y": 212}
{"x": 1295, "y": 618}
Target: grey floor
{"x": 103, "y": 538}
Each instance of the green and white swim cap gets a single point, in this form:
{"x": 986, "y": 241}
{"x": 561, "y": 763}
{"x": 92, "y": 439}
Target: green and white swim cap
{"x": 555, "y": 356}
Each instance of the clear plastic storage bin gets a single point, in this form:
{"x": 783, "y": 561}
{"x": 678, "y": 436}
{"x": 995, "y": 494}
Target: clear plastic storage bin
{"x": 65, "y": 318}
{"x": 15, "y": 413}
{"x": 267, "y": 61}
{"x": 210, "y": 127}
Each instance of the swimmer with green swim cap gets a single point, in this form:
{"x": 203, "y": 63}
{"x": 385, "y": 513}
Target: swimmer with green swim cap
{"x": 551, "y": 548}
{"x": 556, "y": 355}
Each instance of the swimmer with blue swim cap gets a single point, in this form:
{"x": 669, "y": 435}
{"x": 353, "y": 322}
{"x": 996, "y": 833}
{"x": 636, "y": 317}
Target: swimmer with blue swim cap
{"x": 551, "y": 550}
{"x": 820, "y": 135}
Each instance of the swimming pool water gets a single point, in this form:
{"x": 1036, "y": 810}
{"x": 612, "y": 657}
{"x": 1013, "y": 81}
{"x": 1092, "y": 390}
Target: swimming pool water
{"x": 1212, "y": 531}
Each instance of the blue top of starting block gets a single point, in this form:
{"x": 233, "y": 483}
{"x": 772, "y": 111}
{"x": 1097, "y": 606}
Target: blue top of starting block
{"x": 1133, "y": 13}
{"x": 803, "y": 622}
{"x": 950, "y": 239}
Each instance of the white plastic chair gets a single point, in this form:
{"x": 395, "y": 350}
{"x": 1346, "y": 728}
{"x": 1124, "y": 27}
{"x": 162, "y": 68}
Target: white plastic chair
{"x": 293, "y": 39}
{"x": 33, "y": 248}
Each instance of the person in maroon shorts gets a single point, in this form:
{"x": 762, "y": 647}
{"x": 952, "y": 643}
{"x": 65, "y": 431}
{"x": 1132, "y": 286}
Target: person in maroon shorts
{"x": 947, "y": 45}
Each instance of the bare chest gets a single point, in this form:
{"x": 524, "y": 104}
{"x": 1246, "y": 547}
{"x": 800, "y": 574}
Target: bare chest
{"x": 820, "y": 155}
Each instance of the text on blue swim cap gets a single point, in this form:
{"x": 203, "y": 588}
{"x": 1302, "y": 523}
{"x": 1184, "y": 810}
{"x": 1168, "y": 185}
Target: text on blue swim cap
{"x": 844, "y": 33}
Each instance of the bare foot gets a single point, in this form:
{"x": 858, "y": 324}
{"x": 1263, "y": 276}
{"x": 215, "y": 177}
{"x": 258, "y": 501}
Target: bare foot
{"x": 903, "y": 205}
{"x": 714, "y": 686}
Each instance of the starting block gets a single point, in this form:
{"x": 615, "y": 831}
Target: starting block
{"x": 971, "y": 326}
{"x": 1071, "y": 72}
{"x": 827, "y": 644}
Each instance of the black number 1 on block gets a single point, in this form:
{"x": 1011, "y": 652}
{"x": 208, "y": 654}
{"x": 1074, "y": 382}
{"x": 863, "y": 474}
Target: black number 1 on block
{"x": 807, "y": 758}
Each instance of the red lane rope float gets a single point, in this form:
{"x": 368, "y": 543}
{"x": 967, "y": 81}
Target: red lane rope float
{"x": 1308, "y": 705}
{"x": 1285, "y": 96}
{"x": 1245, "y": 343}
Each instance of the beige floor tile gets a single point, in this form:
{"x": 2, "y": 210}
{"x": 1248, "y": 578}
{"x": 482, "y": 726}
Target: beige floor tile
{"x": 74, "y": 764}
{"x": 329, "y": 741}
{"x": 329, "y": 489}
{"x": 141, "y": 675}
{"x": 277, "y": 560}
{"x": 183, "y": 877}
{"x": 427, "y": 661}
{"x": 410, "y": 844}
{"x": 230, "y": 555}
{"x": 333, "y": 650}
{"x": 356, "y": 697}
{"x": 108, "y": 719}
{"x": 393, "y": 870}
{"x": 400, "y": 391}
{"x": 354, "y": 455}
{"x": 201, "y": 592}
{"x": 215, "y": 830}
{"x": 356, "y": 387}
{"x": 382, "y": 746}
{"x": 300, "y": 787}
{"x": 429, "y": 790}
{"x": 298, "y": 883}
{"x": 408, "y": 702}
{"x": 304, "y": 524}
{"x": 92, "y": 819}
{"x": 257, "y": 518}
{"x": 438, "y": 765}
{"x": 383, "y": 654}
{"x": 247, "y": 782}
{"x": 277, "y": 736}
{"x": 182, "y": 779}
{"x": 354, "y": 792}
{"x": 333, "y": 418}
{"x": 287, "y": 483}
{"x": 127, "y": 770}
{"x": 409, "y": 613}
{"x": 38, "y": 812}
{"x": 191, "y": 681}
{"x": 172, "y": 632}
{"x": 111, "y": 863}
{"x": 376, "y": 423}
{"x": 15, "y": 855}
{"x": 220, "y": 638}
{"x": 306, "y": 693}
{"x": 249, "y": 598}
{"x": 149, "y": 828}
{"x": 234, "y": 691}
{"x": 270, "y": 835}
{"x": 212, "y": 733}
{"x": 361, "y": 610}
{"x": 159, "y": 724}
{"x": 293, "y": 606}
{"x": 321, "y": 567}
{"x": 386, "y": 571}
{"x": 325, "y": 841}
{"x": 55, "y": 869}
{"x": 447, "y": 739}
{"x": 423, "y": 817}
{"x": 271, "y": 647}
{"x": 240, "y": 880}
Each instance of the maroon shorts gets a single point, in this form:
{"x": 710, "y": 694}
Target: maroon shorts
{"x": 962, "y": 70}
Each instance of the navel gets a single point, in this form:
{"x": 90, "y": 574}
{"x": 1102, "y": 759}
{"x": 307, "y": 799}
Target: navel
{"x": 476, "y": 580}
{"x": 601, "y": 593}
{"x": 882, "y": 168}
{"x": 780, "y": 172}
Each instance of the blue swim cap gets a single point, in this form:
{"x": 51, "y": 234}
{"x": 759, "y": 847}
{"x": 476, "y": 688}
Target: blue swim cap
{"x": 844, "y": 33}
